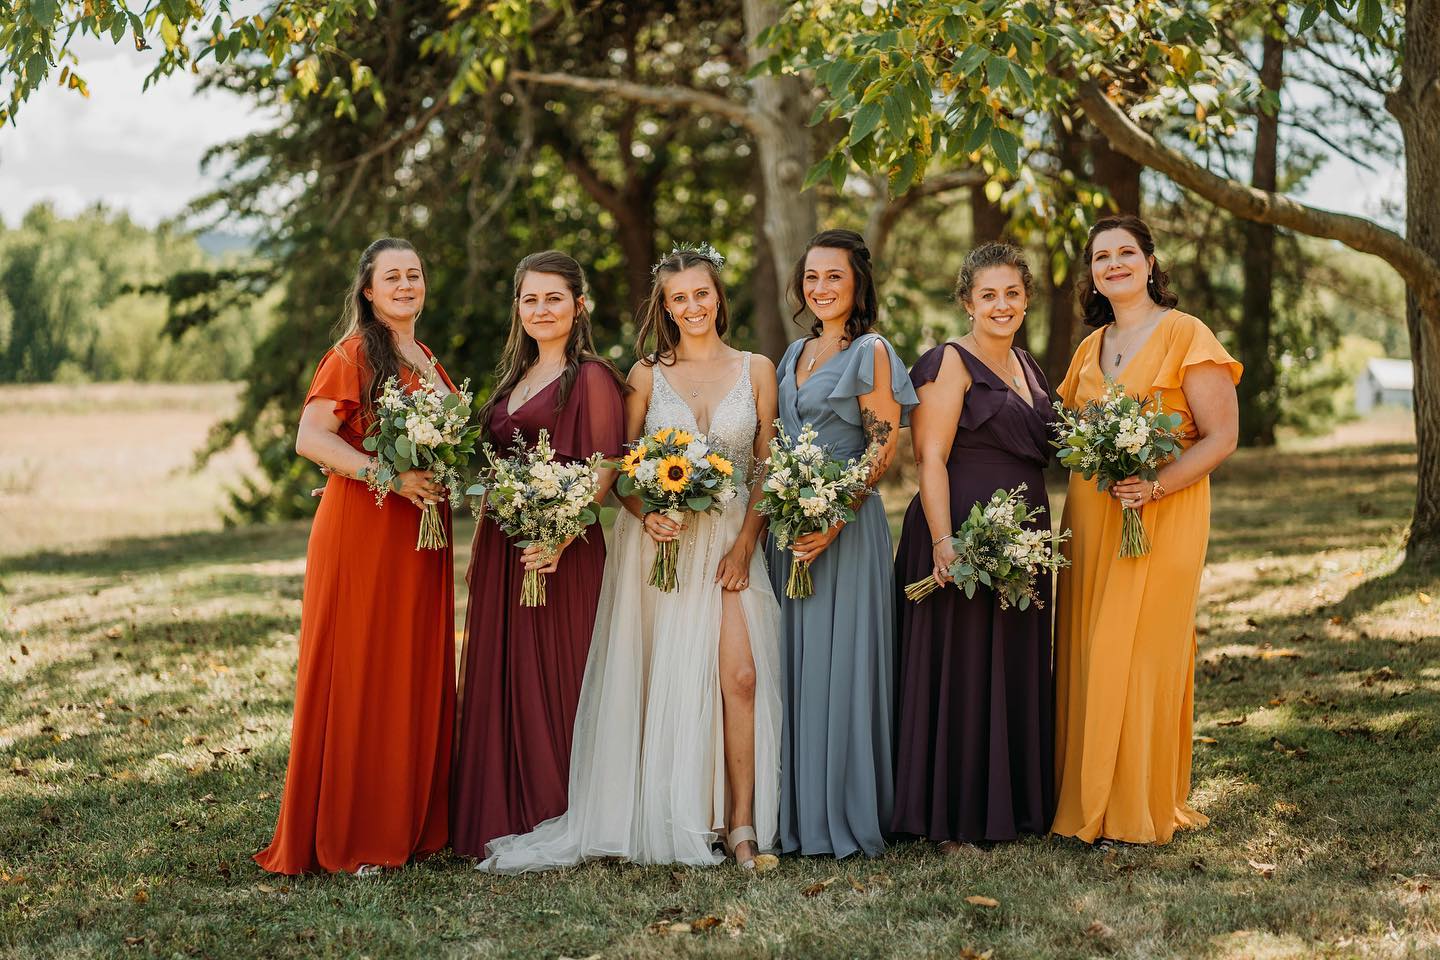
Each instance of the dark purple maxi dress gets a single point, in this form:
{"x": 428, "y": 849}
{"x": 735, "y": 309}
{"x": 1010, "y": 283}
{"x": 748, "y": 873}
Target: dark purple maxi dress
{"x": 522, "y": 666}
{"x": 976, "y": 744}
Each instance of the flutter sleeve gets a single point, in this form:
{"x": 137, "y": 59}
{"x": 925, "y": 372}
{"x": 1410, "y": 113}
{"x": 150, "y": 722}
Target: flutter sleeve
{"x": 1192, "y": 343}
{"x": 339, "y": 378}
{"x": 593, "y": 419}
{"x": 857, "y": 378}
{"x": 927, "y": 368}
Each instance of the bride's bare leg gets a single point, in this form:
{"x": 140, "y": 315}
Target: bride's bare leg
{"x": 737, "y": 688}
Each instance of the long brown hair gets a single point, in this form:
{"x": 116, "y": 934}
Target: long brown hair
{"x": 1095, "y": 307}
{"x": 655, "y": 320}
{"x": 521, "y": 351}
{"x": 865, "y": 310}
{"x": 381, "y": 356}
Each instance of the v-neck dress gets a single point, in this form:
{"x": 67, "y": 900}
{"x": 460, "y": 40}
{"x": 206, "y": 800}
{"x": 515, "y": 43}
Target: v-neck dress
{"x": 368, "y": 780}
{"x": 974, "y": 759}
{"x": 1125, "y": 627}
{"x": 838, "y": 645}
{"x": 522, "y": 666}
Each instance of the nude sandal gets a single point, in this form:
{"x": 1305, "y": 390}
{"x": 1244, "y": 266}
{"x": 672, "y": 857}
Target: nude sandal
{"x": 738, "y": 836}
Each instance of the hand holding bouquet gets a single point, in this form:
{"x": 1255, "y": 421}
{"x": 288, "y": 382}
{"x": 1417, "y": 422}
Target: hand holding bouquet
{"x": 994, "y": 547}
{"x": 807, "y": 491}
{"x": 674, "y": 472}
{"x": 1116, "y": 437}
{"x": 538, "y": 501}
{"x": 426, "y": 429}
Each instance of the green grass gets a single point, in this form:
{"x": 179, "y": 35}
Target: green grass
{"x": 146, "y": 670}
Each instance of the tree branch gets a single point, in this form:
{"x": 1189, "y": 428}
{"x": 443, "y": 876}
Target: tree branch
{"x": 886, "y": 213}
{"x": 685, "y": 98}
{"x": 1419, "y": 270}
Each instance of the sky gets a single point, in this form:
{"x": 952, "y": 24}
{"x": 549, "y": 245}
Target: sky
{"x": 141, "y": 153}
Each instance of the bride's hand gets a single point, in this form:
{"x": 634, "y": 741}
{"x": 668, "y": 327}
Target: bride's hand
{"x": 661, "y": 528}
{"x": 734, "y": 570}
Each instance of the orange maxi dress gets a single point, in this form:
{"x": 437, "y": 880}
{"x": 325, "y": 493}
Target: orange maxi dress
{"x": 1125, "y": 630}
{"x": 369, "y": 774}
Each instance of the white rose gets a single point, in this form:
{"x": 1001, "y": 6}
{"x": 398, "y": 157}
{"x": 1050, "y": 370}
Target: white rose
{"x": 696, "y": 452}
{"x": 647, "y": 470}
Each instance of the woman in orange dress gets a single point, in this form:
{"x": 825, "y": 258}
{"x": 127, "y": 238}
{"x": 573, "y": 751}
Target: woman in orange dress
{"x": 369, "y": 775}
{"x": 1125, "y": 644}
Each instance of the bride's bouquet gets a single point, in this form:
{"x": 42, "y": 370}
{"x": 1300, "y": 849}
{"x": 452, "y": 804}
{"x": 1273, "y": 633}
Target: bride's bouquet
{"x": 538, "y": 500}
{"x": 1114, "y": 437}
{"x": 674, "y": 472}
{"x": 807, "y": 491}
{"x": 426, "y": 429}
{"x": 995, "y": 548}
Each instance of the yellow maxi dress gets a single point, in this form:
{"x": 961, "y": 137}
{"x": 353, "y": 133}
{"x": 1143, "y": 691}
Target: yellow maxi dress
{"x": 1125, "y": 631}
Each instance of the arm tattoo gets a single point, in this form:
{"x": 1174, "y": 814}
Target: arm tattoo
{"x": 877, "y": 431}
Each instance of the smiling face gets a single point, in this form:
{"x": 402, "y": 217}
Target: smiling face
{"x": 1118, "y": 267}
{"x": 829, "y": 283}
{"x": 692, "y": 301}
{"x": 397, "y": 286}
{"x": 547, "y": 307}
{"x": 997, "y": 301}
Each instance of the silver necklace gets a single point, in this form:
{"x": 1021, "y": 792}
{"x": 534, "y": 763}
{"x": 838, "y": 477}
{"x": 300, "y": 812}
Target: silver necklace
{"x": 1014, "y": 377}
{"x": 525, "y": 385}
{"x": 695, "y": 391}
{"x": 820, "y": 353}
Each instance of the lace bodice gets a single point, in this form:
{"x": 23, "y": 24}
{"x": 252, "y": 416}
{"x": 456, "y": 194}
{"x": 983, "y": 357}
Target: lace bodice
{"x": 732, "y": 425}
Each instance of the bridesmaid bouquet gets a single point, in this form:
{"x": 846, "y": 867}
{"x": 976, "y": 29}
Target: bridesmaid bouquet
{"x": 1114, "y": 437}
{"x": 806, "y": 492}
{"x": 537, "y": 500}
{"x": 674, "y": 472}
{"x": 995, "y": 548}
{"x": 426, "y": 429}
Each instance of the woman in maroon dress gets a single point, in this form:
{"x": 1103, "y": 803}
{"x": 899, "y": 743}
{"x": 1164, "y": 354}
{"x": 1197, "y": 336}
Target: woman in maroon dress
{"x": 975, "y": 755}
{"x": 521, "y": 669}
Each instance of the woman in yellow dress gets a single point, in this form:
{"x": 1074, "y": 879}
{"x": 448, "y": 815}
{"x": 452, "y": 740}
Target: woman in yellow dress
{"x": 1125, "y": 644}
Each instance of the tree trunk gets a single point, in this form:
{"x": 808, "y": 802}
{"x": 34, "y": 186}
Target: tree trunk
{"x": 1060, "y": 336}
{"x": 769, "y": 319}
{"x": 1259, "y": 402}
{"x": 987, "y": 221}
{"x": 782, "y": 141}
{"x": 1417, "y": 106}
{"x": 1118, "y": 174}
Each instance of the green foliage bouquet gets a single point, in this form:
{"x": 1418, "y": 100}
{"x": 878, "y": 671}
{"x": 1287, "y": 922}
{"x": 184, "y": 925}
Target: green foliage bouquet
{"x": 1113, "y": 438}
{"x": 806, "y": 491}
{"x": 538, "y": 500}
{"x": 426, "y": 429}
{"x": 996, "y": 548}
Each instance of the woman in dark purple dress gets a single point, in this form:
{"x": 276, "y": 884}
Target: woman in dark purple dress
{"x": 521, "y": 669}
{"x": 975, "y": 750}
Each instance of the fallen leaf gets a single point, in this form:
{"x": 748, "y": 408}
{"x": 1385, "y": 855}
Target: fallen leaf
{"x": 819, "y": 887}
{"x": 1099, "y": 930}
{"x": 980, "y": 901}
{"x": 19, "y": 769}
{"x": 970, "y": 953}
{"x": 264, "y": 888}
{"x": 1266, "y": 870}
{"x": 223, "y": 869}
{"x": 141, "y": 896}
{"x": 1422, "y": 596}
{"x": 705, "y": 923}
{"x": 679, "y": 927}
{"x": 24, "y": 650}
{"x": 1383, "y": 675}
{"x": 196, "y": 769}
{"x": 1206, "y": 740}
{"x": 1233, "y": 723}
{"x": 1279, "y": 653}
{"x": 765, "y": 862}
{"x": 114, "y": 633}
{"x": 262, "y": 795}
{"x": 134, "y": 941}
{"x": 208, "y": 798}
{"x": 1336, "y": 620}
{"x": 192, "y": 741}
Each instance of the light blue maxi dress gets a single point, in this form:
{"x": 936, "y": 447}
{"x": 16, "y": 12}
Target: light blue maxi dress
{"x": 837, "y": 646}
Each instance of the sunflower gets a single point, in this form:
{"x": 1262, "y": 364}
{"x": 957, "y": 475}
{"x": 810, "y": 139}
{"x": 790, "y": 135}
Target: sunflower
{"x": 681, "y": 439}
{"x": 721, "y": 464}
{"x": 674, "y": 474}
{"x": 633, "y": 458}
{"x": 662, "y": 436}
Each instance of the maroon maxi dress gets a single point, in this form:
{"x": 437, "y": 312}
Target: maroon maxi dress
{"x": 976, "y": 746}
{"x": 522, "y": 666}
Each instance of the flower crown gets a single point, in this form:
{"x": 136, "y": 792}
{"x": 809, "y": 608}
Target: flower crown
{"x": 702, "y": 249}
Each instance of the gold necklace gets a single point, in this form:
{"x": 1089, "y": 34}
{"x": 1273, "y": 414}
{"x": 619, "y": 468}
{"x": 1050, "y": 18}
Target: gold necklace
{"x": 1014, "y": 378}
{"x": 691, "y": 381}
{"x": 814, "y": 357}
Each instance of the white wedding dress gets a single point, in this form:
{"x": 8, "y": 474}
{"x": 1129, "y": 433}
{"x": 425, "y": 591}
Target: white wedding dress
{"x": 647, "y": 766}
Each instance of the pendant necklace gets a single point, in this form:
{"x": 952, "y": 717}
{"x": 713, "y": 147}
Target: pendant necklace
{"x": 820, "y": 353}
{"x": 525, "y": 387}
{"x": 1014, "y": 378}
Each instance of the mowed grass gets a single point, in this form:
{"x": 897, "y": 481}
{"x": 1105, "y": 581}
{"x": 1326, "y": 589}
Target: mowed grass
{"x": 146, "y": 674}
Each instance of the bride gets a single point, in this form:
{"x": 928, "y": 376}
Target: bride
{"x": 677, "y": 731}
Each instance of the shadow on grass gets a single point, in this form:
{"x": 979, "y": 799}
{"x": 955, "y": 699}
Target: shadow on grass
{"x": 144, "y": 555}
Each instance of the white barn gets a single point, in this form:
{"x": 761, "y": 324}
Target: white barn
{"x": 1385, "y": 383}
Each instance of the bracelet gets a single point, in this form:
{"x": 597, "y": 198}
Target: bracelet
{"x": 1156, "y": 490}
{"x": 936, "y": 542}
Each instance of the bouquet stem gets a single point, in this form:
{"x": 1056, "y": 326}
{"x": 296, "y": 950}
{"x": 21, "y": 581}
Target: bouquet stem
{"x": 921, "y": 589}
{"x": 1134, "y": 541}
{"x": 799, "y": 585}
{"x": 532, "y": 591}
{"x": 662, "y": 571}
{"x": 432, "y": 529}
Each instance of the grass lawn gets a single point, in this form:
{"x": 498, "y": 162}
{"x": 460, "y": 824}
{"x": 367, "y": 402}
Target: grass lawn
{"x": 146, "y": 667}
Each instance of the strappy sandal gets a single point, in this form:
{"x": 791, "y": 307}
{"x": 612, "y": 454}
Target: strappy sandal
{"x": 369, "y": 870}
{"x": 738, "y": 836}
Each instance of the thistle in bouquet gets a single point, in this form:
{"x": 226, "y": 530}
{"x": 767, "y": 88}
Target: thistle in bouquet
{"x": 1115, "y": 437}
{"x": 808, "y": 491}
{"x": 537, "y": 500}
{"x": 998, "y": 547}
{"x": 425, "y": 429}
{"x": 674, "y": 472}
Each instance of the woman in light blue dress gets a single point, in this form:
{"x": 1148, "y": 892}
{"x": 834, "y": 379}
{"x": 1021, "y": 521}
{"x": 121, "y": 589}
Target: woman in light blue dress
{"x": 837, "y": 646}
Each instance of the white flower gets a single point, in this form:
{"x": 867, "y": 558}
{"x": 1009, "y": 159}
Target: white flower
{"x": 814, "y": 506}
{"x": 696, "y": 452}
{"x": 726, "y": 494}
{"x": 647, "y": 470}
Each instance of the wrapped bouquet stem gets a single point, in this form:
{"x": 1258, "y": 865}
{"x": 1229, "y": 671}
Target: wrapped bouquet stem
{"x": 425, "y": 429}
{"x": 1115, "y": 437}
{"x": 538, "y": 501}
{"x": 808, "y": 491}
